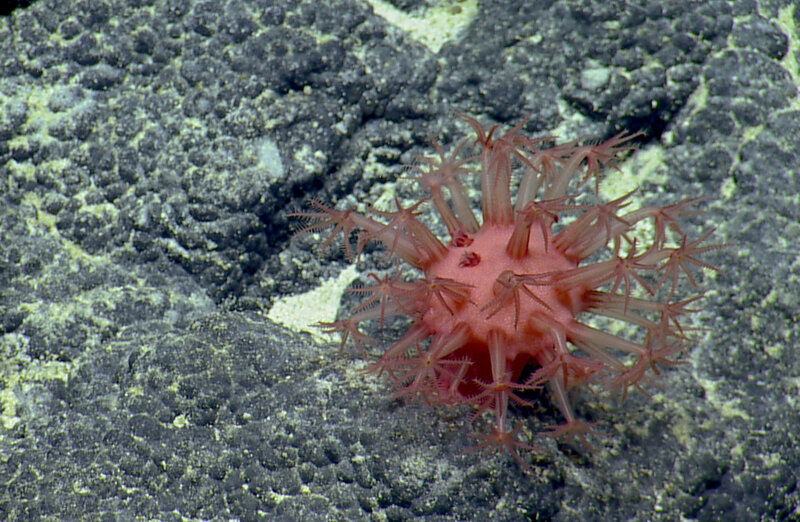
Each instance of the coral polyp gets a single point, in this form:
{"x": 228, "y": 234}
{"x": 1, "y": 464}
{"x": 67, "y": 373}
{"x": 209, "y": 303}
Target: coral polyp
{"x": 505, "y": 305}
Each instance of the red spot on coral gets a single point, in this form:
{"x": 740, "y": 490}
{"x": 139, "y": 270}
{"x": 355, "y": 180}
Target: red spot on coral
{"x": 462, "y": 239}
{"x": 469, "y": 259}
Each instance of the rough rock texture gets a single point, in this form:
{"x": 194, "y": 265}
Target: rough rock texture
{"x": 151, "y": 149}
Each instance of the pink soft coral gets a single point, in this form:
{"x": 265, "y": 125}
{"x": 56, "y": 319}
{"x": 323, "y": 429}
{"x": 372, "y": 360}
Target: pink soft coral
{"x": 511, "y": 292}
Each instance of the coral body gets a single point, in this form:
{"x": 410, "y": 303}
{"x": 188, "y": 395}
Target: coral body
{"x": 499, "y": 309}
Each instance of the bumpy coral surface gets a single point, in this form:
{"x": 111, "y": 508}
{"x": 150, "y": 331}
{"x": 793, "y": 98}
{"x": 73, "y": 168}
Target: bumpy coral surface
{"x": 500, "y": 308}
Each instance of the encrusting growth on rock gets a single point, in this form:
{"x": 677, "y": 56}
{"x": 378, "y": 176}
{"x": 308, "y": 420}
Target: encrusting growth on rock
{"x": 500, "y": 307}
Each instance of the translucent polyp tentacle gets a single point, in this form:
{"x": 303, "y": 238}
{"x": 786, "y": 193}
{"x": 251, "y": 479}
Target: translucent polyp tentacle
{"x": 416, "y": 334}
